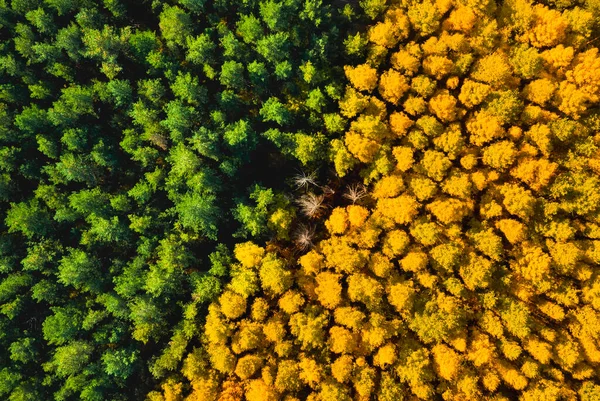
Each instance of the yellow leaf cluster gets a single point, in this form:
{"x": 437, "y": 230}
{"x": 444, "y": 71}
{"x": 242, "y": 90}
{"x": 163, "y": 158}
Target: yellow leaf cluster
{"x": 469, "y": 272}
{"x": 392, "y": 86}
{"x": 363, "y": 77}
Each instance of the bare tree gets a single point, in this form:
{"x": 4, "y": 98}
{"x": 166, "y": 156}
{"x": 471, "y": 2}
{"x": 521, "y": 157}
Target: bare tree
{"x": 303, "y": 237}
{"x": 355, "y": 192}
{"x": 311, "y": 204}
{"x": 303, "y": 180}
{"x": 327, "y": 190}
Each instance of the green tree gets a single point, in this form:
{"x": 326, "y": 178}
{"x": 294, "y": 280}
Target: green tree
{"x": 71, "y": 359}
{"x": 147, "y": 320}
{"x": 232, "y": 75}
{"x": 199, "y": 213}
{"x": 250, "y": 28}
{"x": 24, "y": 350}
{"x": 29, "y": 218}
{"x": 80, "y": 271}
{"x": 62, "y": 326}
{"x": 275, "y": 111}
{"x": 200, "y": 49}
{"x": 175, "y": 25}
{"x": 276, "y": 14}
{"x": 274, "y": 48}
{"x": 120, "y": 363}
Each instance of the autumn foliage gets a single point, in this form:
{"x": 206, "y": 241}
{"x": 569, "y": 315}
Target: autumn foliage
{"x": 471, "y": 271}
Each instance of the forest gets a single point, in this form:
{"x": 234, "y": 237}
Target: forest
{"x": 262, "y": 200}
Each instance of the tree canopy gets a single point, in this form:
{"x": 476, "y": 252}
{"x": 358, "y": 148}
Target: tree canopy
{"x": 299, "y": 199}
